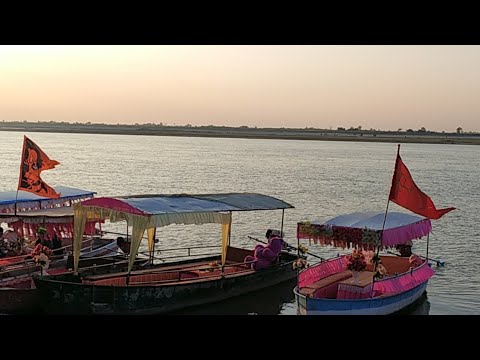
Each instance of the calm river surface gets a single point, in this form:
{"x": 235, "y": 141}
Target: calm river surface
{"x": 319, "y": 178}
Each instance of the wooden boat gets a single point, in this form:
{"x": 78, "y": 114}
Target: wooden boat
{"x": 171, "y": 286}
{"x": 18, "y": 294}
{"x": 328, "y": 288}
{"x": 25, "y": 213}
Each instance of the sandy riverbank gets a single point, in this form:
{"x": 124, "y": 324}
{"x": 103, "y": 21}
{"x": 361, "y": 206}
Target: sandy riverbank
{"x": 222, "y": 132}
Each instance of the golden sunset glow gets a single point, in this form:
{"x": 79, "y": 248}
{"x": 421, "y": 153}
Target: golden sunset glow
{"x": 380, "y": 87}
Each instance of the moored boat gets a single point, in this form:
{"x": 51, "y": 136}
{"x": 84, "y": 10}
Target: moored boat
{"x": 381, "y": 285}
{"x": 329, "y": 288}
{"x": 26, "y": 214}
{"x": 165, "y": 287}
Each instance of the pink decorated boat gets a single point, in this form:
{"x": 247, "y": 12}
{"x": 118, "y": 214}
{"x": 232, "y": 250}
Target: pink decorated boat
{"x": 382, "y": 285}
{"x": 329, "y": 287}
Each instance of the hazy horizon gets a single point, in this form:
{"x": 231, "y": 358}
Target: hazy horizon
{"x": 320, "y": 86}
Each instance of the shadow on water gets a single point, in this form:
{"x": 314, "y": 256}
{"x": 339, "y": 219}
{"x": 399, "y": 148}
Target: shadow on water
{"x": 269, "y": 301}
{"x": 420, "y": 307}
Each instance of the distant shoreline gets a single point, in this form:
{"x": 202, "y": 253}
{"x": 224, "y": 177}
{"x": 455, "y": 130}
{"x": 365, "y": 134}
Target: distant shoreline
{"x": 252, "y": 133}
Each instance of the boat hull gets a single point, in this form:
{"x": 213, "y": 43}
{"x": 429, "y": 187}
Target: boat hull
{"x": 20, "y": 299}
{"x": 66, "y": 295}
{"x": 18, "y": 294}
{"x": 371, "y": 306}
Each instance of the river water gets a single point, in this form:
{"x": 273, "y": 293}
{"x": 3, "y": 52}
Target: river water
{"x": 319, "y": 178}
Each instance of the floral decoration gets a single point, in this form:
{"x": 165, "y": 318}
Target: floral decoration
{"x": 370, "y": 237}
{"x": 341, "y": 236}
{"x": 300, "y": 264}
{"x": 302, "y": 249}
{"x": 41, "y": 256}
{"x": 307, "y": 228}
{"x": 356, "y": 261}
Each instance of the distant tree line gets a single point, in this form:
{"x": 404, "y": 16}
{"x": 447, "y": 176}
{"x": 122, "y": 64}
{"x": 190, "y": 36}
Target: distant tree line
{"x": 151, "y": 126}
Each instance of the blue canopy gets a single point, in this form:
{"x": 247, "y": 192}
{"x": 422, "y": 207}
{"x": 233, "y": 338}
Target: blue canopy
{"x": 27, "y": 199}
{"x": 183, "y": 203}
{"x": 147, "y": 212}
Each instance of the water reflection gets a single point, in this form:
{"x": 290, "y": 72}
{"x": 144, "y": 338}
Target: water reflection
{"x": 274, "y": 300}
{"x": 421, "y": 307}
{"x": 277, "y": 300}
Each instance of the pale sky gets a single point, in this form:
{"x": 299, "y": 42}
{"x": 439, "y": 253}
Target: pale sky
{"x": 321, "y": 86}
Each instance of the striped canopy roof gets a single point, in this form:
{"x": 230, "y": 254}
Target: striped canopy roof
{"x": 184, "y": 203}
{"x": 28, "y": 201}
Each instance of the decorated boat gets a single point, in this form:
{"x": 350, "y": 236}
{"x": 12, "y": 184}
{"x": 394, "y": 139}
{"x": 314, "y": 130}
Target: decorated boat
{"x": 366, "y": 282}
{"x": 347, "y": 284}
{"x": 173, "y": 285}
{"x": 27, "y": 215}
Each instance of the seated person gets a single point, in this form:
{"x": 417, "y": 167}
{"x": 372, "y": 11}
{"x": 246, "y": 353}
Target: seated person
{"x": 44, "y": 240}
{"x": 266, "y": 255}
{"x": 381, "y": 270}
{"x": 3, "y": 249}
{"x": 123, "y": 245}
{"x": 405, "y": 250}
{"x": 56, "y": 245}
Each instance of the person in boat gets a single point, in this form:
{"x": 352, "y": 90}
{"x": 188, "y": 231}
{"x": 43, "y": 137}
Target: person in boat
{"x": 43, "y": 238}
{"x": 3, "y": 247}
{"x": 405, "y": 250}
{"x": 57, "y": 245}
{"x": 381, "y": 270}
{"x": 266, "y": 255}
{"x": 123, "y": 244}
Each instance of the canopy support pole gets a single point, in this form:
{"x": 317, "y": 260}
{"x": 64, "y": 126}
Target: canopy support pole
{"x": 281, "y": 228}
{"x": 428, "y": 238}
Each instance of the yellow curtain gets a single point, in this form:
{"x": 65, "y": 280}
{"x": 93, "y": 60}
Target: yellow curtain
{"x": 226, "y": 226}
{"x": 79, "y": 220}
{"x": 139, "y": 226}
{"x": 151, "y": 238}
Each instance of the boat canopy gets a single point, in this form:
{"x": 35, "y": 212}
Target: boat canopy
{"x": 147, "y": 212}
{"x": 364, "y": 229}
{"x": 26, "y": 201}
{"x": 33, "y": 211}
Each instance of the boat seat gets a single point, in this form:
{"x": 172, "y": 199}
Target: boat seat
{"x": 395, "y": 264}
{"x": 309, "y": 290}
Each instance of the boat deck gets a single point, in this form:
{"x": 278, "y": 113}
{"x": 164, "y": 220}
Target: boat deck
{"x": 341, "y": 284}
{"x": 166, "y": 274}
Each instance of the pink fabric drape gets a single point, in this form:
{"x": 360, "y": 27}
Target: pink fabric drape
{"x": 64, "y": 231}
{"x": 354, "y": 292}
{"x": 392, "y": 237}
{"x": 345, "y": 237}
{"x": 403, "y": 282}
{"x": 321, "y": 270}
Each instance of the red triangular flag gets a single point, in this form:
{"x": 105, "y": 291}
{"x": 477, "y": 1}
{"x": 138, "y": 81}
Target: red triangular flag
{"x": 405, "y": 192}
{"x": 34, "y": 161}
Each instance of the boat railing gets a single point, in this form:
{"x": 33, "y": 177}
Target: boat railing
{"x": 191, "y": 251}
{"x": 321, "y": 270}
{"x": 403, "y": 281}
{"x": 25, "y": 261}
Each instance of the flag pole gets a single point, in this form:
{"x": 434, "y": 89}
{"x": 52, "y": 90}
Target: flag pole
{"x": 21, "y": 171}
{"x": 377, "y": 256}
{"x": 16, "y": 197}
